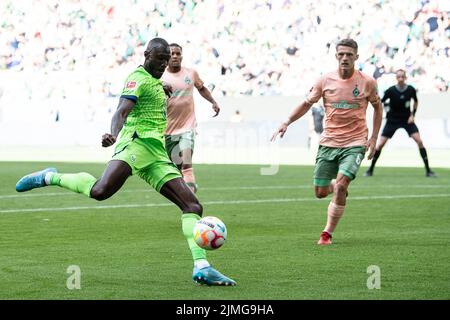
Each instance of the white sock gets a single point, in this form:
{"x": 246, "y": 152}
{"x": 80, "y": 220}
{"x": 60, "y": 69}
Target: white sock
{"x": 201, "y": 263}
{"x": 48, "y": 177}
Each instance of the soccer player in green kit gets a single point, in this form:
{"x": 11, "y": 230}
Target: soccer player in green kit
{"x": 137, "y": 128}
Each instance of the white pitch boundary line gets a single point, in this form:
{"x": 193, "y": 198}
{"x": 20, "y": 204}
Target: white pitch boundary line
{"x": 56, "y": 194}
{"x": 255, "y": 201}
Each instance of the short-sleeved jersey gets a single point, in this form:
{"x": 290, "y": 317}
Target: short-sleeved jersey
{"x": 148, "y": 117}
{"x": 345, "y": 102}
{"x": 399, "y": 104}
{"x": 180, "y": 106}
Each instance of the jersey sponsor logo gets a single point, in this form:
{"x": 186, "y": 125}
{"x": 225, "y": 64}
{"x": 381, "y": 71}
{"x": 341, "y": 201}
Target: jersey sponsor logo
{"x": 344, "y": 105}
{"x": 182, "y": 93}
{"x": 130, "y": 85}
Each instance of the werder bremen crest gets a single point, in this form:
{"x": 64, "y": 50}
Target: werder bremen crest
{"x": 187, "y": 80}
{"x": 356, "y": 91}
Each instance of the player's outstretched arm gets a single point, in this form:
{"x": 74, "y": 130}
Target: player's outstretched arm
{"x": 205, "y": 93}
{"x": 295, "y": 115}
{"x": 118, "y": 119}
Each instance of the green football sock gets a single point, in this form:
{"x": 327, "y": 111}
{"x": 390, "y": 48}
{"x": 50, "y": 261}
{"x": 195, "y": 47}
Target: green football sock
{"x": 78, "y": 182}
{"x": 188, "y": 221}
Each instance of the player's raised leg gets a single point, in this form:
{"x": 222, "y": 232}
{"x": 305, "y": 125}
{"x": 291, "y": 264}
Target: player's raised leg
{"x": 179, "y": 193}
{"x": 323, "y": 192}
{"x": 113, "y": 178}
{"x": 324, "y": 172}
{"x": 34, "y": 180}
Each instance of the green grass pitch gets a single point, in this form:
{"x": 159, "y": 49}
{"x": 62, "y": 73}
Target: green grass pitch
{"x": 131, "y": 246}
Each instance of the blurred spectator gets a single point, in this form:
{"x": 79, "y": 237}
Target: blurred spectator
{"x": 261, "y": 47}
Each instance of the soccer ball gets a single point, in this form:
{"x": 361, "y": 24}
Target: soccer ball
{"x": 210, "y": 233}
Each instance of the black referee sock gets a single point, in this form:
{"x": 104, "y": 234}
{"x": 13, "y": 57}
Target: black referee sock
{"x": 374, "y": 160}
{"x": 423, "y": 154}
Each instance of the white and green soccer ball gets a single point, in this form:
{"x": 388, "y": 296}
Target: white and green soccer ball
{"x": 210, "y": 233}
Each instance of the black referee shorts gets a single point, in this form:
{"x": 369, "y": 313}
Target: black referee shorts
{"x": 392, "y": 126}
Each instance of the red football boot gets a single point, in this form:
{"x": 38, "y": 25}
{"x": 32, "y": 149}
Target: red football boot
{"x": 325, "y": 238}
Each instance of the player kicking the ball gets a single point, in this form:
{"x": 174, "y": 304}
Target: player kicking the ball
{"x": 346, "y": 93}
{"x": 138, "y": 128}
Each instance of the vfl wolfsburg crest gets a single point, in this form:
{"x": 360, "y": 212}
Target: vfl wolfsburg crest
{"x": 356, "y": 91}
{"x": 187, "y": 80}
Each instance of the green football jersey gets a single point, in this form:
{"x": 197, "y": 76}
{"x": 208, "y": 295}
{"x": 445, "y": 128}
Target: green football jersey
{"x": 148, "y": 117}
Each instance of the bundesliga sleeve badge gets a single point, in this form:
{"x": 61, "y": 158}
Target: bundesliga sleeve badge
{"x": 130, "y": 85}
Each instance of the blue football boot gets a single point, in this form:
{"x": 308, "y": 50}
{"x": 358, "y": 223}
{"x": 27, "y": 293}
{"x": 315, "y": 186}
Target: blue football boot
{"x": 33, "y": 180}
{"x": 211, "y": 277}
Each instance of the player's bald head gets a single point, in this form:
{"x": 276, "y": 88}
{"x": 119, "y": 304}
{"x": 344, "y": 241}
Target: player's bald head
{"x": 157, "y": 44}
{"x": 157, "y": 56}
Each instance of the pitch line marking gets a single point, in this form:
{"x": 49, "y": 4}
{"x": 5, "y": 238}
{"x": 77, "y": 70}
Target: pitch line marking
{"x": 255, "y": 201}
{"x": 56, "y": 194}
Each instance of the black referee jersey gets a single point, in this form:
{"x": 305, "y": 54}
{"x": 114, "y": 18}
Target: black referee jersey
{"x": 399, "y": 106}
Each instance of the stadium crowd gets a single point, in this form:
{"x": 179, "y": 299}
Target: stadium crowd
{"x": 261, "y": 47}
